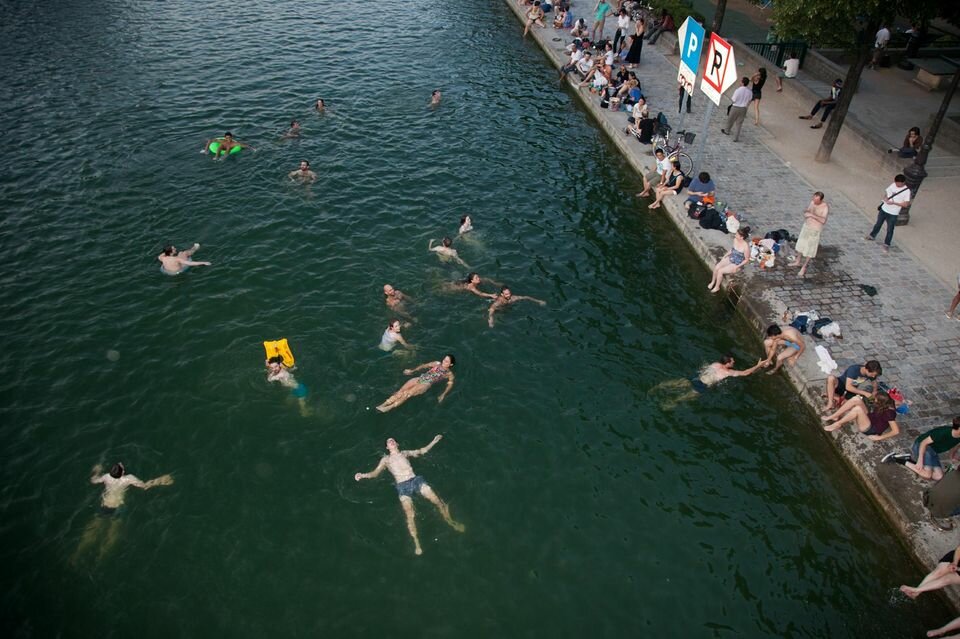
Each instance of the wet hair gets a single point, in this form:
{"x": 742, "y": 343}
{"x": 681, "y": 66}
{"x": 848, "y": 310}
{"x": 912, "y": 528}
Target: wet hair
{"x": 873, "y": 366}
{"x": 726, "y": 359}
{"x": 435, "y": 92}
{"x": 838, "y": 81}
{"x": 463, "y": 220}
{"x": 504, "y": 288}
{"x": 117, "y": 470}
{"x": 307, "y": 162}
{"x": 294, "y": 122}
{"x": 899, "y": 177}
{"x": 447, "y": 242}
{"x": 453, "y": 360}
{"x": 745, "y": 81}
{"x": 773, "y": 329}
{"x": 744, "y": 232}
{"x": 320, "y": 102}
{"x": 470, "y": 276}
{"x": 276, "y": 359}
{"x": 228, "y": 135}
{"x": 168, "y": 250}
{"x": 392, "y": 322}
{"x": 819, "y": 193}
{"x": 704, "y": 177}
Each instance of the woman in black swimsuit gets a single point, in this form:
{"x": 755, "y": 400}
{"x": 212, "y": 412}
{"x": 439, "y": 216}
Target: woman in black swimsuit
{"x": 759, "y": 79}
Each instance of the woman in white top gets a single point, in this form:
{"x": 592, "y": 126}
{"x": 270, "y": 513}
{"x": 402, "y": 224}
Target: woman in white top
{"x": 391, "y": 336}
{"x": 623, "y": 24}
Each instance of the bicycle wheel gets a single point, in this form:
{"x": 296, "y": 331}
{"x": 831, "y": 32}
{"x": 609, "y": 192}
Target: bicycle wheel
{"x": 686, "y": 163}
{"x": 659, "y": 141}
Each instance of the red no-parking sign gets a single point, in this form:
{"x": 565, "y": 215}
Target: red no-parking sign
{"x": 720, "y": 69}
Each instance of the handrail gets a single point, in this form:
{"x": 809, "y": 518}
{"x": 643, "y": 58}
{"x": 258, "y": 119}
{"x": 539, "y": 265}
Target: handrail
{"x": 776, "y": 52}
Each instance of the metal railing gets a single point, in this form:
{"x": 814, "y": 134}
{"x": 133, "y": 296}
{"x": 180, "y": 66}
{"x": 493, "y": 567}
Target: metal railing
{"x": 776, "y": 52}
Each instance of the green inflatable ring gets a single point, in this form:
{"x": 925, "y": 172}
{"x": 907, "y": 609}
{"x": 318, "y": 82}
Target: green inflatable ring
{"x": 215, "y": 148}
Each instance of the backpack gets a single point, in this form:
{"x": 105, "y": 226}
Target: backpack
{"x": 696, "y": 210}
{"x": 711, "y": 219}
{"x": 687, "y": 181}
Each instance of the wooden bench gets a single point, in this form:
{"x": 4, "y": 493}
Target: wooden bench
{"x": 933, "y": 73}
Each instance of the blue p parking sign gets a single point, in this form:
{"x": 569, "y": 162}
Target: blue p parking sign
{"x": 691, "y": 44}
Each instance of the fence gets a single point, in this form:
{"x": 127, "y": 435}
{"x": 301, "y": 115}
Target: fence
{"x": 776, "y": 52}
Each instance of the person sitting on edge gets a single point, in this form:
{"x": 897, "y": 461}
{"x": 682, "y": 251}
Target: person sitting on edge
{"x": 659, "y": 175}
{"x": 466, "y": 225}
{"x": 391, "y": 336}
{"x": 303, "y": 174}
{"x": 585, "y": 65}
{"x": 848, "y": 385}
{"x": 711, "y": 374}
{"x": 791, "y": 66}
{"x": 788, "y": 341}
{"x": 945, "y": 628}
{"x": 733, "y": 261}
{"x": 672, "y": 185}
{"x": 409, "y": 484}
{"x": 506, "y": 298}
{"x": 877, "y": 423}
{"x": 560, "y": 18}
{"x": 827, "y": 104}
{"x": 927, "y": 448}
{"x": 534, "y": 16}
{"x": 471, "y": 283}
{"x": 419, "y": 385}
{"x": 912, "y": 143}
{"x": 945, "y": 574}
{"x": 116, "y": 482}
{"x": 173, "y": 262}
{"x": 579, "y": 28}
{"x": 701, "y": 190}
{"x": 576, "y": 54}
{"x": 445, "y": 250}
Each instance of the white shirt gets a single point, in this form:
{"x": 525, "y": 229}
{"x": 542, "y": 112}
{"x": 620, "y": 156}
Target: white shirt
{"x": 883, "y": 37}
{"x": 585, "y": 65}
{"x": 640, "y": 111}
{"x": 791, "y": 67}
{"x": 610, "y": 55}
{"x": 664, "y": 166}
{"x": 897, "y": 194}
{"x": 623, "y": 22}
{"x": 742, "y": 97}
{"x": 576, "y": 56}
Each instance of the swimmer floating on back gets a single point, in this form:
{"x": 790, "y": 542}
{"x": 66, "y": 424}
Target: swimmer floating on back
{"x": 419, "y": 385}
{"x": 506, "y": 298}
{"x": 445, "y": 249}
{"x": 115, "y": 484}
{"x": 277, "y": 371}
{"x": 225, "y": 145}
{"x": 303, "y": 174}
{"x": 173, "y": 262}
{"x": 409, "y": 484}
{"x": 687, "y": 389}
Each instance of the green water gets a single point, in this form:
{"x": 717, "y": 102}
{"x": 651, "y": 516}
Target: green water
{"x": 589, "y": 510}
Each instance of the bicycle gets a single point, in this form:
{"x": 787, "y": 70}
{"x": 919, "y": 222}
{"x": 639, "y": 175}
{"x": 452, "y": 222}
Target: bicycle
{"x": 673, "y": 146}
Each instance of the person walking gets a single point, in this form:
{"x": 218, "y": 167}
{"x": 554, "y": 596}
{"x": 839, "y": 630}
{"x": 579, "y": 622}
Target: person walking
{"x": 814, "y": 217}
{"x": 897, "y": 198}
{"x": 742, "y": 98}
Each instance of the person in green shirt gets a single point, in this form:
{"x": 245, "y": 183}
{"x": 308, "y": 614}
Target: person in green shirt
{"x": 601, "y": 11}
{"x": 926, "y": 451}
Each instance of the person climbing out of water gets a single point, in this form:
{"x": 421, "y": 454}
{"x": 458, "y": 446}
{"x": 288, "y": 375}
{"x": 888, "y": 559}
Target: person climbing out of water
{"x": 173, "y": 262}
{"x": 409, "y": 484}
{"x": 445, "y": 249}
{"x": 392, "y": 336}
{"x": 785, "y": 343}
{"x": 506, "y": 298}
{"x": 711, "y": 374}
{"x": 115, "y": 485}
{"x": 471, "y": 283}
{"x": 419, "y": 385}
{"x": 303, "y": 174}
{"x": 227, "y": 143}
{"x": 277, "y": 371}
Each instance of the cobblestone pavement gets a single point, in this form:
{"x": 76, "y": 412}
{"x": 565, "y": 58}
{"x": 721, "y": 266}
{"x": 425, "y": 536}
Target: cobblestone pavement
{"x": 903, "y": 325}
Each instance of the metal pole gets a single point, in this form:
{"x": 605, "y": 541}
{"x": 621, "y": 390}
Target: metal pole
{"x": 711, "y": 107}
{"x": 915, "y": 172}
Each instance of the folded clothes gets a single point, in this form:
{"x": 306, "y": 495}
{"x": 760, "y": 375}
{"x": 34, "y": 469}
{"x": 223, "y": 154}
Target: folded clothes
{"x": 825, "y": 361}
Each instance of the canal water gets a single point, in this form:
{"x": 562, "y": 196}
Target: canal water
{"x": 590, "y": 508}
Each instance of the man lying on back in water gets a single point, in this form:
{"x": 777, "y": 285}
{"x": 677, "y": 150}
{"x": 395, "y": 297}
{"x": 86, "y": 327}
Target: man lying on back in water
{"x": 173, "y": 262}
{"x": 408, "y": 484}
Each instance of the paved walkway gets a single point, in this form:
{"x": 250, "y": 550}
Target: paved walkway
{"x": 903, "y": 325}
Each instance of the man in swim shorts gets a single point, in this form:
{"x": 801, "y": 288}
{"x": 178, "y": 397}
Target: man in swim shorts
{"x": 304, "y": 174}
{"x": 227, "y": 143}
{"x": 506, "y": 298}
{"x": 687, "y": 389}
{"x": 785, "y": 343}
{"x": 173, "y": 262}
{"x": 410, "y": 484}
{"x": 445, "y": 249}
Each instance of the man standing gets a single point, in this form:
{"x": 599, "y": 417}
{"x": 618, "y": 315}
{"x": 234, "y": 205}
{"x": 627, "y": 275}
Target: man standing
{"x": 814, "y": 217}
{"x": 827, "y": 104}
{"x": 409, "y": 484}
{"x": 880, "y": 45}
{"x": 897, "y": 198}
{"x": 742, "y": 97}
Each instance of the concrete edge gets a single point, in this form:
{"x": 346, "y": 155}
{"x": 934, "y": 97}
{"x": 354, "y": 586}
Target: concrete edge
{"x": 914, "y": 536}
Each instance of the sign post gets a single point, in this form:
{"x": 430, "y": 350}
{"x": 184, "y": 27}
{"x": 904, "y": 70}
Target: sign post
{"x": 719, "y": 72}
{"x": 691, "y": 35}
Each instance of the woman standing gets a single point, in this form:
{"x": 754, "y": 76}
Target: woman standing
{"x": 636, "y": 46}
{"x": 602, "y": 9}
{"x": 623, "y": 23}
{"x": 759, "y": 79}
{"x": 733, "y": 260}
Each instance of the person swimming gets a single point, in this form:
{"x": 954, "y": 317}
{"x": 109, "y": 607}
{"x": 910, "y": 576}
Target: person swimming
{"x": 226, "y": 144}
{"x": 466, "y": 225}
{"x": 445, "y": 249}
{"x": 435, "y": 372}
{"x": 303, "y": 174}
{"x": 173, "y": 262}
{"x": 293, "y": 131}
{"x": 320, "y": 106}
{"x": 471, "y": 283}
{"x": 506, "y": 298}
{"x": 435, "y": 98}
{"x": 392, "y": 336}
{"x": 710, "y": 375}
{"x": 277, "y": 371}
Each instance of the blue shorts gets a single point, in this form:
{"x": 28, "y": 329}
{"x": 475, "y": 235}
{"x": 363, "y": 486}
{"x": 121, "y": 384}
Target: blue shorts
{"x": 930, "y": 457}
{"x": 698, "y": 385}
{"x": 410, "y": 487}
{"x": 166, "y": 272}
{"x": 299, "y": 391}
